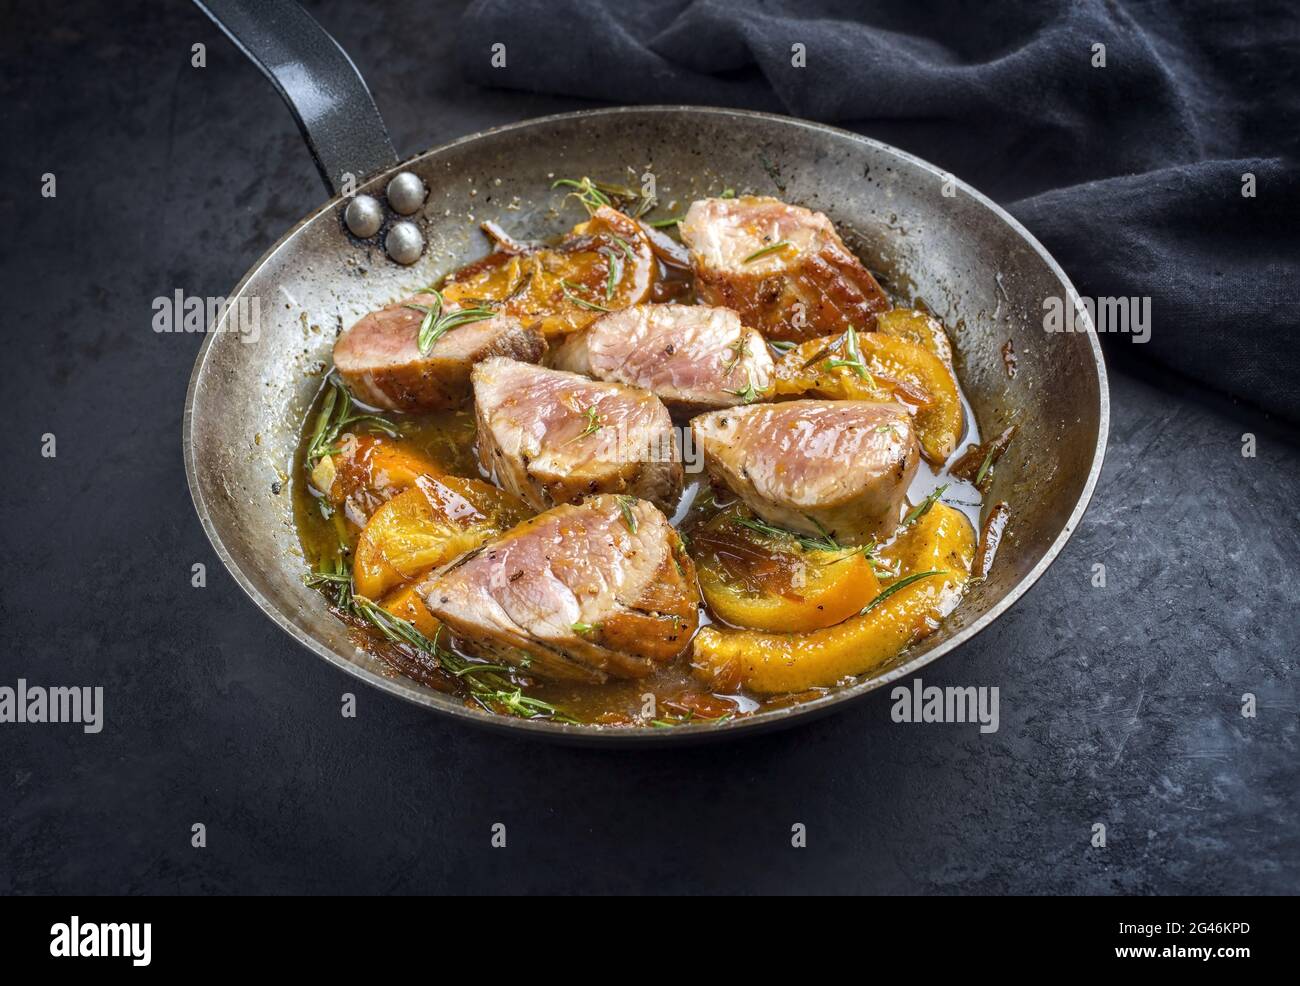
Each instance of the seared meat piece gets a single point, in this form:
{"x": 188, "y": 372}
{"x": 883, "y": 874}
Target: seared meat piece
{"x": 379, "y": 357}
{"x": 587, "y": 592}
{"x": 603, "y": 265}
{"x": 838, "y": 467}
{"x": 693, "y": 357}
{"x": 553, "y": 437}
{"x": 783, "y": 268}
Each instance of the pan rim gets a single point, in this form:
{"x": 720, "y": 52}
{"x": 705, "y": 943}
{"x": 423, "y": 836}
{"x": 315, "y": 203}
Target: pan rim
{"x": 593, "y": 735}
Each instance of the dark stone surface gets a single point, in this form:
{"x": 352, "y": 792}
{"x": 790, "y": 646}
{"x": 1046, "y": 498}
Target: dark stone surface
{"x": 1118, "y": 705}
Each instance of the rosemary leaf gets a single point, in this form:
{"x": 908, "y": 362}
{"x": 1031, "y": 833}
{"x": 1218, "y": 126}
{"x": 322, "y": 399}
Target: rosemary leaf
{"x": 627, "y": 247}
{"x": 437, "y": 321}
{"x": 764, "y": 251}
{"x": 850, "y": 343}
{"x": 593, "y": 425}
{"x": 580, "y": 302}
{"x": 825, "y": 542}
{"x": 900, "y": 584}
{"x": 489, "y": 685}
{"x": 629, "y": 518}
{"x": 586, "y": 191}
{"x": 922, "y": 508}
{"x": 739, "y": 349}
{"x": 615, "y": 271}
{"x": 748, "y": 393}
{"x": 691, "y": 717}
{"x": 335, "y": 415}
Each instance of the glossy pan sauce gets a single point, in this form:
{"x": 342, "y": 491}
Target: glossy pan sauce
{"x": 674, "y": 694}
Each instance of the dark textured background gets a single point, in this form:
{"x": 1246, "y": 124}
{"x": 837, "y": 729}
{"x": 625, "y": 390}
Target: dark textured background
{"x": 1129, "y": 173}
{"x": 1119, "y": 705}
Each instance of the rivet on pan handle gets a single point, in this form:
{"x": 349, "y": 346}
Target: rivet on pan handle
{"x": 323, "y": 89}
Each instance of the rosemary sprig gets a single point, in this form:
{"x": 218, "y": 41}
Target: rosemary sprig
{"x": 900, "y": 584}
{"x": 867, "y": 550}
{"x": 629, "y": 518}
{"x": 689, "y": 716}
{"x": 850, "y": 343}
{"x": 922, "y": 508}
{"x": 782, "y": 346}
{"x": 628, "y": 200}
{"x": 985, "y": 466}
{"x": 627, "y": 247}
{"x": 580, "y": 302}
{"x": 586, "y": 191}
{"x": 615, "y": 271}
{"x": 516, "y": 703}
{"x": 488, "y": 684}
{"x": 594, "y": 194}
{"x": 748, "y": 393}
{"x": 394, "y": 628}
{"x": 585, "y": 627}
{"x": 823, "y": 542}
{"x": 437, "y": 321}
{"x": 336, "y": 413}
{"x": 739, "y": 350}
{"x": 764, "y": 251}
{"x": 470, "y": 669}
{"x": 593, "y": 424}
{"x": 333, "y": 577}
{"x": 665, "y": 223}
{"x": 821, "y": 529}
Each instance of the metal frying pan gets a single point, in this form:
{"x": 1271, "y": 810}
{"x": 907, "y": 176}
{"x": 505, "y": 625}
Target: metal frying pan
{"x": 974, "y": 265}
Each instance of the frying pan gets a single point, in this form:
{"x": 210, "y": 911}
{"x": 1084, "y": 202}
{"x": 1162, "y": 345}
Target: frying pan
{"x": 930, "y": 236}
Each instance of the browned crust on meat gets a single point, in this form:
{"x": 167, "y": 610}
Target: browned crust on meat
{"x": 436, "y": 384}
{"x": 641, "y": 635}
{"x": 662, "y": 621}
{"x": 835, "y": 290}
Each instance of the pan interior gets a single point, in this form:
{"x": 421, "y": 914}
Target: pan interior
{"x": 974, "y": 268}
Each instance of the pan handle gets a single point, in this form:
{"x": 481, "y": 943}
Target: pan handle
{"x": 323, "y": 89}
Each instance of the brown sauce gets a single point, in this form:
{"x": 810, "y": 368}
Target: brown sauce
{"x": 448, "y": 439}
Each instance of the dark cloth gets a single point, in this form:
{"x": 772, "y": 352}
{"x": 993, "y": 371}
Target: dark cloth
{"x": 1131, "y": 174}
